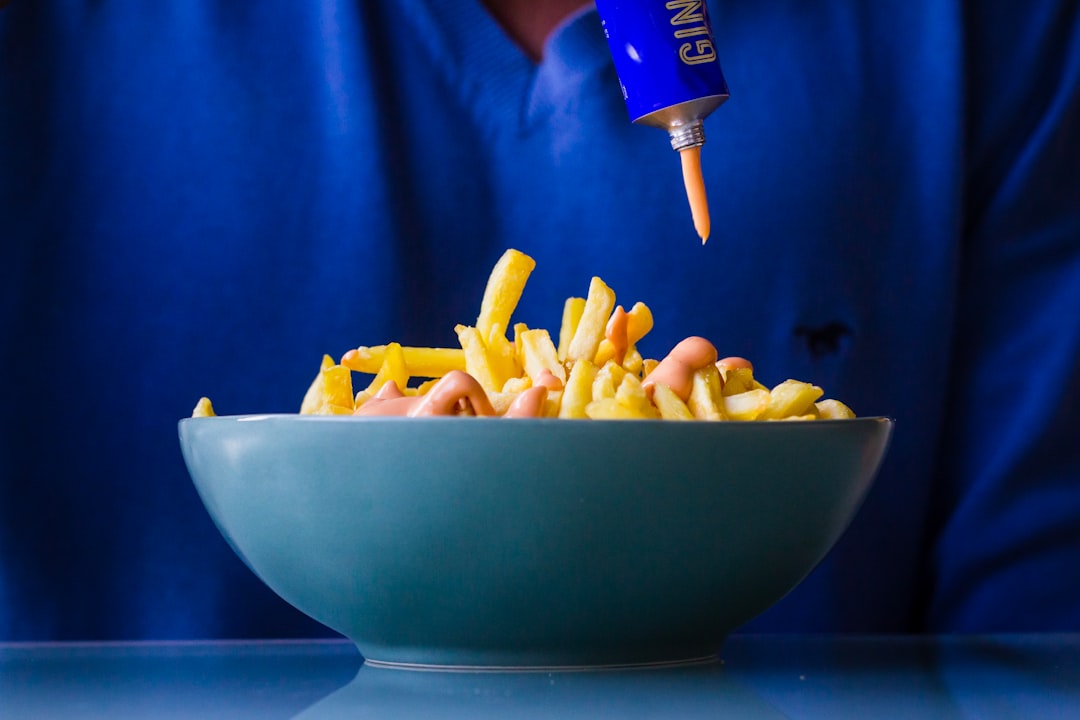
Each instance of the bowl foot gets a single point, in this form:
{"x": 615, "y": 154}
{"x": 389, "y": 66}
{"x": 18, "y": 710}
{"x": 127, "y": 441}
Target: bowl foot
{"x": 436, "y": 667}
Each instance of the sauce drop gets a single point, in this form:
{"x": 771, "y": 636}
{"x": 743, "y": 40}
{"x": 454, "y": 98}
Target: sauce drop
{"x": 729, "y": 363}
{"x": 616, "y": 334}
{"x": 528, "y": 404}
{"x": 678, "y": 368}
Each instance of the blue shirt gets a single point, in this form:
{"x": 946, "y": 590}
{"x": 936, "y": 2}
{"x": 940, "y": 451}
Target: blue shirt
{"x": 204, "y": 197}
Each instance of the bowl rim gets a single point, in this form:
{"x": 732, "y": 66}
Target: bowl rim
{"x": 539, "y": 421}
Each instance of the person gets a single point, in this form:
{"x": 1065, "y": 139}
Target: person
{"x": 202, "y": 198}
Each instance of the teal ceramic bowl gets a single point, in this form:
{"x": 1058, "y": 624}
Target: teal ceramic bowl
{"x": 488, "y": 542}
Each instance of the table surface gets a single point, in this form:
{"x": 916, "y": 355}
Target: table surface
{"x": 1021, "y": 676}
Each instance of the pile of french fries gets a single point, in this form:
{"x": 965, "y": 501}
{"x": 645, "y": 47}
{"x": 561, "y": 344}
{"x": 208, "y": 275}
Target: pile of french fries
{"x": 592, "y": 370}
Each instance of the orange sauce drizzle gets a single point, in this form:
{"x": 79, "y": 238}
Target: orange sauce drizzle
{"x": 695, "y": 190}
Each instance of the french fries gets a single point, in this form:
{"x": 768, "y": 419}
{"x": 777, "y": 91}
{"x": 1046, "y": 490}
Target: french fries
{"x": 833, "y": 410}
{"x": 572, "y": 311}
{"x": 594, "y": 370}
{"x": 503, "y": 291}
{"x": 419, "y": 361}
{"x": 393, "y": 369}
{"x": 670, "y": 405}
{"x": 746, "y": 405}
{"x": 539, "y": 355}
{"x": 330, "y": 393}
{"x": 791, "y": 398}
{"x": 579, "y": 390}
{"x": 594, "y": 318}
{"x": 705, "y": 399}
{"x": 479, "y": 362}
{"x": 203, "y": 408}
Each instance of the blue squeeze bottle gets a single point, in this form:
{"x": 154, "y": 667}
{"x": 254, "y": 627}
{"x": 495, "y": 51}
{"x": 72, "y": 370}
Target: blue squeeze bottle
{"x": 665, "y": 57}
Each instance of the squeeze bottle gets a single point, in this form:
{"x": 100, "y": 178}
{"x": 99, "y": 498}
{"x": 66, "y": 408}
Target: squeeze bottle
{"x": 666, "y": 60}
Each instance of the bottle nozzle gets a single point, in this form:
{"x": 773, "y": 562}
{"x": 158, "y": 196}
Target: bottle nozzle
{"x": 688, "y": 135}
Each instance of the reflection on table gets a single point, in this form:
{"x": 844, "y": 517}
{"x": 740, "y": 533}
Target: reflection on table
{"x": 757, "y": 677}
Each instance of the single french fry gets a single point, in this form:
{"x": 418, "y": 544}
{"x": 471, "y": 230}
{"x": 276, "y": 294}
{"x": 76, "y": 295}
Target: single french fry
{"x": 392, "y": 370}
{"x": 746, "y": 405}
{"x": 705, "y": 400}
{"x": 603, "y": 387}
{"x": 572, "y": 310}
{"x": 502, "y": 354}
{"x": 790, "y": 398}
{"x": 590, "y": 329}
{"x": 736, "y": 379}
{"x": 501, "y": 401}
{"x": 611, "y": 409}
{"x": 639, "y": 321}
{"x": 669, "y": 404}
{"x": 330, "y": 393}
{"x": 339, "y": 392}
{"x": 539, "y": 354}
{"x": 632, "y": 395}
{"x": 632, "y": 363}
{"x": 316, "y": 392}
{"x": 607, "y": 380}
{"x": 477, "y": 362}
{"x": 503, "y": 291}
{"x": 604, "y": 351}
{"x": 834, "y": 410}
{"x": 419, "y": 361}
{"x": 203, "y": 408}
{"x": 647, "y": 366}
{"x": 552, "y": 403}
{"x": 812, "y": 413}
{"x": 517, "y": 384}
{"x": 578, "y": 391}
{"x": 518, "y": 354}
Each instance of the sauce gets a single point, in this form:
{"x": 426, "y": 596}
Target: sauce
{"x": 695, "y": 190}
{"x": 529, "y": 403}
{"x": 617, "y": 334}
{"x": 731, "y": 363}
{"x": 678, "y": 368}
{"x": 393, "y": 406}
{"x": 389, "y": 391}
{"x": 456, "y": 393}
{"x": 546, "y": 379}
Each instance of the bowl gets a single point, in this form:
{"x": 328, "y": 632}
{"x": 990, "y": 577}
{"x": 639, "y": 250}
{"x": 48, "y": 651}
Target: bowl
{"x": 531, "y": 543}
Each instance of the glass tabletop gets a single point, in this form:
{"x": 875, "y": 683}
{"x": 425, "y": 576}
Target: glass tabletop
{"x": 1024, "y": 676}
